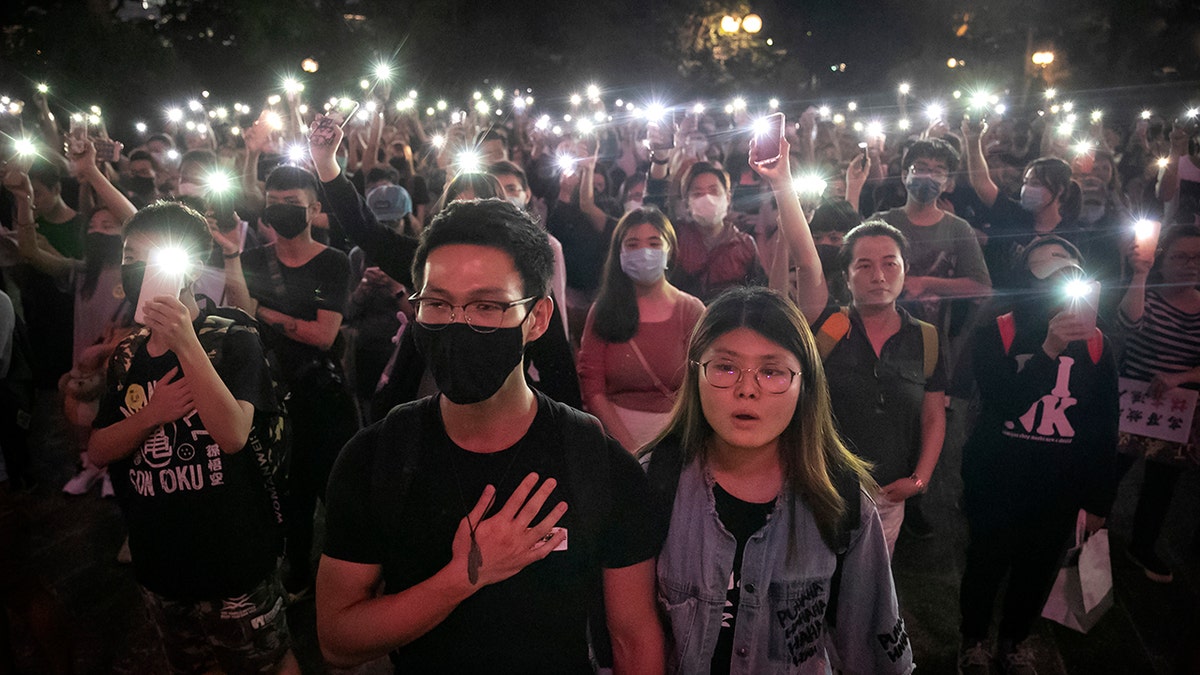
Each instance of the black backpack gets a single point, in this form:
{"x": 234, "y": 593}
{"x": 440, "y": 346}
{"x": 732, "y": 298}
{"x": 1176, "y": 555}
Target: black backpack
{"x": 269, "y": 433}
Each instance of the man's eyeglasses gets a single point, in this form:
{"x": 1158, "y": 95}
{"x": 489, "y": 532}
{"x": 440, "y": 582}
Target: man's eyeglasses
{"x": 770, "y": 378}
{"x": 937, "y": 173}
{"x": 483, "y": 316}
{"x": 1182, "y": 259}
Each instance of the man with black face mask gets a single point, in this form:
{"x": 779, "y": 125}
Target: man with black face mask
{"x": 458, "y": 502}
{"x": 298, "y": 289}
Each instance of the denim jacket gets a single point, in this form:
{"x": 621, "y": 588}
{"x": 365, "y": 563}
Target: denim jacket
{"x": 781, "y": 618}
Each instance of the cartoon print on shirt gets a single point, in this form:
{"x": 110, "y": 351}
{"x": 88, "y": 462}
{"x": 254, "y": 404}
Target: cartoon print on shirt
{"x": 168, "y": 461}
{"x": 1046, "y": 419}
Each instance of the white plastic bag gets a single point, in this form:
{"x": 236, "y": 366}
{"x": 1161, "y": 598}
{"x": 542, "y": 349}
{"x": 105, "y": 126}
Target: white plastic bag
{"x": 1083, "y": 591}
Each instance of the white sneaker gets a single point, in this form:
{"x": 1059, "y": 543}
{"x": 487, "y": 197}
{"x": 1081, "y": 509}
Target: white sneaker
{"x": 106, "y": 488}
{"x": 84, "y": 480}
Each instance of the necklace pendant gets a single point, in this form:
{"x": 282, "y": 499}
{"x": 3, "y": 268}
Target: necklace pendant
{"x": 474, "y": 561}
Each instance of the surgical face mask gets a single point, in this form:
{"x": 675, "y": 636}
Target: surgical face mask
{"x": 644, "y": 265}
{"x": 1091, "y": 213}
{"x": 709, "y": 209}
{"x": 288, "y": 220}
{"x": 1033, "y": 197}
{"x": 922, "y": 189}
{"x": 633, "y": 205}
{"x": 518, "y": 202}
{"x": 469, "y": 366}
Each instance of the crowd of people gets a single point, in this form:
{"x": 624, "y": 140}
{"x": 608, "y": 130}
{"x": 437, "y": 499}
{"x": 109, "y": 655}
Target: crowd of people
{"x": 397, "y": 317}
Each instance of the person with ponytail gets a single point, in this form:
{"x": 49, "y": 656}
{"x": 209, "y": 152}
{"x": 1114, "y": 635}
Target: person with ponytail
{"x": 1049, "y": 203}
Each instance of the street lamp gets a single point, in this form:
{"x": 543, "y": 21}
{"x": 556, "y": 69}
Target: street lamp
{"x": 752, "y": 23}
{"x": 730, "y": 24}
{"x": 1042, "y": 59}
{"x": 309, "y": 65}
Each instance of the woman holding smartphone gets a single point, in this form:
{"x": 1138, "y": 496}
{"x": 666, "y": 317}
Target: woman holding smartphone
{"x": 774, "y": 560}
{"x": 1042, "y": 448}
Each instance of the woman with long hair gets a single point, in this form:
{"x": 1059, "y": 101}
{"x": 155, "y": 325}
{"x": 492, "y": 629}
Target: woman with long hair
{"x": 773, "y": 560}
{"x": 634, "y": 346}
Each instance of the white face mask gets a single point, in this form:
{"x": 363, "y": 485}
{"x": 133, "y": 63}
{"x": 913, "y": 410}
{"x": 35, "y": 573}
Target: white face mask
{"x": 709, "y": 209}
{"x": 517, "y": 202}
{"x": 632, "y": 205}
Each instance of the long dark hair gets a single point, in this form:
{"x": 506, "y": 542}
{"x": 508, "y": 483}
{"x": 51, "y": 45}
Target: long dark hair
{"x": 616, "y": 316}
{"x": 1055, "y": 174}
{"x": 810, "y": 451}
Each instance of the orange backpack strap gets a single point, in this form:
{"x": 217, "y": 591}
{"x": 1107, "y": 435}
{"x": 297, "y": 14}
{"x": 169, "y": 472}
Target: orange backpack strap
{"x": 1008, "y": 330}
{"x": 832, "y": 331}
{"x": 1096, "y": 346}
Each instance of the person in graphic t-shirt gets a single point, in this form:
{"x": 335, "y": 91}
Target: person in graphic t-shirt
{"x": 173, "y": 429}
{"x": 1042, "y": 449}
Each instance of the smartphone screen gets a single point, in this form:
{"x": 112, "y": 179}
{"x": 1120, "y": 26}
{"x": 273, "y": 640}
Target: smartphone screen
{"x": 158, "y": 281}
{"x": 767, "y": 137}
{"x": 1086, "y": 305}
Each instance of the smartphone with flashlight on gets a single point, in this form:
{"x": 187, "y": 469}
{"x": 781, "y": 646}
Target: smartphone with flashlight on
{"x": 1084, "y": 300}
{"x": 108, "y": 150}
{"x": 77, "y": 136}
{"x": 768, "y": 136}
{"x": 164, "y": 276}
{"x": 322, "y": 133}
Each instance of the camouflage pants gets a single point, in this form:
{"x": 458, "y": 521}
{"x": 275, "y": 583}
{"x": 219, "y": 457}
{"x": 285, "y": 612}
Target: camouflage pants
{"x": 243, "y": 634}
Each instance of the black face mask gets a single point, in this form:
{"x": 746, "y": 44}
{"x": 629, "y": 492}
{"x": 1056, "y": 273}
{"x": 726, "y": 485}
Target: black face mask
{"x": 288, "y": 220}
{"x": 102, "y": 250}
{"x": 139, "y": 185}
{"x": 828, "y": 253}
{"x": 132, "y": 275}
{"x": 469, "y": 367}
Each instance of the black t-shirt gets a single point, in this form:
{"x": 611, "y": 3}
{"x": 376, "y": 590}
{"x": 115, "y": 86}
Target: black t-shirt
{"x": 201, "y": 525}
{"x": 741, "y": 519}
{"x": 533, "y": 622}
{"x": 320, "y": 283}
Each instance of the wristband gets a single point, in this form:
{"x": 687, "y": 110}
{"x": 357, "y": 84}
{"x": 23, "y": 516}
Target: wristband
{"x": 231, "y": 256}
{"x": 921, "y": 486}
{"x": 659, "y": 161}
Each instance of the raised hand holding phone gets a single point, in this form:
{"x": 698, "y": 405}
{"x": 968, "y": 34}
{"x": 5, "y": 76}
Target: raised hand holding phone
{"x": 767, "y": 145}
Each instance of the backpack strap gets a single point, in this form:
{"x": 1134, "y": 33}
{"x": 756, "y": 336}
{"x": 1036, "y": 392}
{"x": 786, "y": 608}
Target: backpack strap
{"x": 832, "y": 330}
{"x": 850, "y": 490}
{"x": 397, "y": 453}
{"x": 1095, "y": 346}
{"x": 585, "y": 445}
{"x": 1008, "y": 330}
{"x": 929, "y": 345}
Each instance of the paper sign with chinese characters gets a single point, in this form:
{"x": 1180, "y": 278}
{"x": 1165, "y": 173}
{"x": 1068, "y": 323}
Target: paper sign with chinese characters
{"x": 1168, "y": 417}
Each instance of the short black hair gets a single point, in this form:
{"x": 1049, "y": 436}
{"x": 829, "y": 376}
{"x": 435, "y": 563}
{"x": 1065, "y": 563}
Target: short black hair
{"x": 495, "y": 223}
{"x": 507, "y": 168}
{"x": 871, "y": 228}
{"x": 491, "y": 134}
{"x": 162, "y": 138}
{"x": 384, "y": 172}
{"x": 289, "y": 177}
{"x": 180, "y": 223}
{"x": 47, "y": 172}
{"x": 142, "y": 155}
{"x": 835, "y": 215}
{"x": 931, "y": 148}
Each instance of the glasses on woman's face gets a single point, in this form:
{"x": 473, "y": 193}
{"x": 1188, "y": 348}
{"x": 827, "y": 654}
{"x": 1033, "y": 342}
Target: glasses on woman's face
{"x": 483, "y": 316}
{"x": 1180, "y": 258}
{"x": 771, "y": 378}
